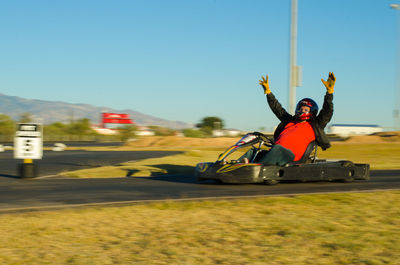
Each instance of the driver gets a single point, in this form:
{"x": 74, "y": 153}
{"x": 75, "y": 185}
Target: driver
{"x": 296, "y": 132}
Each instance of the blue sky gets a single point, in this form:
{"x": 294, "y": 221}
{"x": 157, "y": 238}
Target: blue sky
{"x": 184, "y": 60}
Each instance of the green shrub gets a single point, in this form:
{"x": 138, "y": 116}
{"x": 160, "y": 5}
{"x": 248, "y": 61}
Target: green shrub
{"x": 194, "y": 133}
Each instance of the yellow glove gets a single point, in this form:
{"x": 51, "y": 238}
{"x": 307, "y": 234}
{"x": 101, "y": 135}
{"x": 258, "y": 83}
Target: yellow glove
{"x": 264, "y": 83}
{"x": 330, "y": 83}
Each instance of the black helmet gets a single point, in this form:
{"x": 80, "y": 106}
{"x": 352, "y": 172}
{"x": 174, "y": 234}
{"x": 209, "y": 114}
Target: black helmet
{"x": 308, "y": 102}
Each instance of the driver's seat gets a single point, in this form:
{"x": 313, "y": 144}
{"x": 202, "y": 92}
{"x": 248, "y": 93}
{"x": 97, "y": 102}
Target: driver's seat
{"x": 310, "y": 148}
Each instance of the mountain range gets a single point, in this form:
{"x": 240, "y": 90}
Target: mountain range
{"x": 48, "y": 112}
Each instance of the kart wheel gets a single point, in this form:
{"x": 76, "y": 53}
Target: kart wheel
{"x": 350, "y": 174}
{"x": 271, "y": 182}
{"x": 350, "y": 177}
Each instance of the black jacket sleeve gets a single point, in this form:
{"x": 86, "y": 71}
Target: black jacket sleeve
{"x": 326, "y": 113}
{"x": 277, "y": 108}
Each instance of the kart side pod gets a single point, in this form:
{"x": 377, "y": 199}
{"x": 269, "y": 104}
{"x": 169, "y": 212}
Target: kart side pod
{"x": 342, "y": 170}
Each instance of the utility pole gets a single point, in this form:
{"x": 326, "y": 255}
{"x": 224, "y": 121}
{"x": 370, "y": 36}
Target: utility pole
{"x": 396, "y": 111}
{"x": 294, "y": 70}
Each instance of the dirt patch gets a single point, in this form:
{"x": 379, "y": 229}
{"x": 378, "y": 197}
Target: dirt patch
{"x": 389, "y": 136}
{"x": 365, "y": 139}
{"x": 382, "y": 137}
{"x": 175, "y": 141}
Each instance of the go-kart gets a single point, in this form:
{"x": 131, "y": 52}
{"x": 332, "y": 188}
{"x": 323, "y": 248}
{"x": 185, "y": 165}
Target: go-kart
{"x": 244, "y": 170}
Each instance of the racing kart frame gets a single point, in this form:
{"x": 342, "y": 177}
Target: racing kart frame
{"x": 248, "y": 170}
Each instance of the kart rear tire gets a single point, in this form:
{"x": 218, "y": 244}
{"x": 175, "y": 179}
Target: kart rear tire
{"x": 350, "y": 176}
{"x": 271, "y": 182}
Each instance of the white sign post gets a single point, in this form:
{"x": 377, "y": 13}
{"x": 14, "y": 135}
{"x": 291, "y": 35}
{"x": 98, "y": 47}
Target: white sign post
{"x": 28, "y": 145}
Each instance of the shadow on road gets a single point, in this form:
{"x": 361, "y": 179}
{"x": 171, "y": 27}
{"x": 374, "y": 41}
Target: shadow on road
{"x": 174, "y": 178}
{"x": 385, "y": 172}
{"x": 168, "y": 172}
{"x": 9, "y": 176}
{"x": 172, "y": 169}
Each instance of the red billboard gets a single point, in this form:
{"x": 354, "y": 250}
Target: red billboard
{"x": 116, "y": 118}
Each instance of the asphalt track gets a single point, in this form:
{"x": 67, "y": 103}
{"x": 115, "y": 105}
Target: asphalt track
{"x": 55, "y": 162}
{"x": 54, "y": 193}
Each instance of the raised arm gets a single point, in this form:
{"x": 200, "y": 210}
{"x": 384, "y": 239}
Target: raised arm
{"x": 326, "y": 113}
{"x": 273, "y": 103}
{"x": 330, "y": 83}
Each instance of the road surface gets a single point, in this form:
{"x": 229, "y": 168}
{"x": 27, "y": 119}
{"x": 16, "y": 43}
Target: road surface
{"x": 51, "y": 193}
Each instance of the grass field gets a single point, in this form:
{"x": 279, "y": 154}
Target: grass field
{"x": 378, "y": 155}
{"x": 343, "y": 228}
{"x": 352, "y": 228}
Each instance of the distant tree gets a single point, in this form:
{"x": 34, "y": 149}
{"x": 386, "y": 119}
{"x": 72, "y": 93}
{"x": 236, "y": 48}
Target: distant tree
{"x": 7, "y": 125}
{"x": 25, "y": 118}
{"x": 80, "y": 127}
{"x": 56, "y": 128}
{"x": 207, "y": 130}
{"x": 127, "y": 132}
{"x": 215, "y": 123}
{"x": 208, "y": 124}
{"x": 194, "y": 133}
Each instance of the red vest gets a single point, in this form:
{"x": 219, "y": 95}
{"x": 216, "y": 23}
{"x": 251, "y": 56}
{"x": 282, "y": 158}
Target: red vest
{"x": 296, "y": 137}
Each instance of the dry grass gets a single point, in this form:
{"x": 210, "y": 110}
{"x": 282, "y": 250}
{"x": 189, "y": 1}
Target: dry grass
{"x": 311, "y": 229}
{"x": 357, "y": 228}
{"x": 180, "y": 142}
{"x": 379, "y": 156}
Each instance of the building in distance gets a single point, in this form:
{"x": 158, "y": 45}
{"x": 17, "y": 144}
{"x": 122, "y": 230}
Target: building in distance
{"x": 346, "y": 130}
